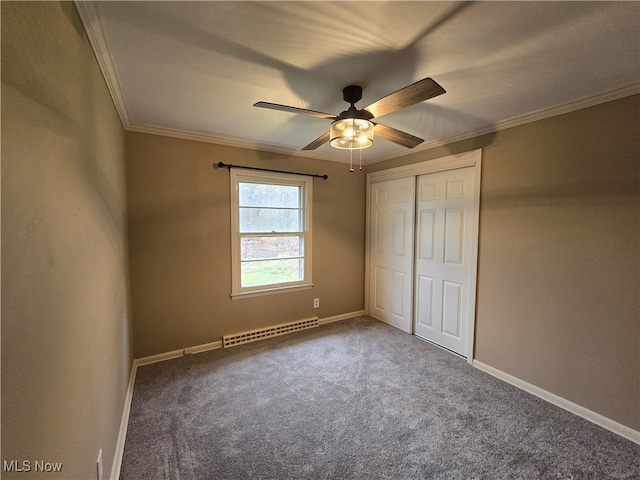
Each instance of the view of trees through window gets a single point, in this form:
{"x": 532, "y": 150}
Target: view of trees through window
{"x": 271, "y": 233}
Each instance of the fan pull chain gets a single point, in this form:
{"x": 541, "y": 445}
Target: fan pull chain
{"x": 351, "y": 140}
{"x": 351, "y": 159}
{"x": 360, "y": 159}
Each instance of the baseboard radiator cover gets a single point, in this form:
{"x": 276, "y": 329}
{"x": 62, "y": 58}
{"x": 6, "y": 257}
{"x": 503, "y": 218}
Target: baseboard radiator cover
{"x": 268, "y": 332}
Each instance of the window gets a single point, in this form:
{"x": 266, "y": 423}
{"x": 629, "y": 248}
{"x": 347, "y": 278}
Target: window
{"x": 270, "y": 232}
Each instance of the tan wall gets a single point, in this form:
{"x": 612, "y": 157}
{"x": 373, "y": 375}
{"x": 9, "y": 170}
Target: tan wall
{"x": 559, "y": 261}
{"x": 180, "y": 244}
{"x": 558, "y": 302}
{"x": 65, "y": 323}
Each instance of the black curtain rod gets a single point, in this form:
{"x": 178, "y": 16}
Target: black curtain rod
{"x": 228, "y": 166}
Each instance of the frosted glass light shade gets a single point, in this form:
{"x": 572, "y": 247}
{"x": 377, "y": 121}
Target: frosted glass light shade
{"x": 351, "y": 133}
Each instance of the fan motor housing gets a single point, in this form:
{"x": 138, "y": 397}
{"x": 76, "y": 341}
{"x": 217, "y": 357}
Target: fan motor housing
{"x": 353, "y": 94}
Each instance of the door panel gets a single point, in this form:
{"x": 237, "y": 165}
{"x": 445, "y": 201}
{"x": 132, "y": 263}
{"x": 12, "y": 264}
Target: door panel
{"x": 391, "y": 259}
{"x": 381, "y": 227}
{"x": 453, "y": 235}
{"x": 399, "y": 233}
{"x": 424, "y": 311}
{"x": 380, "y": 289}
{"x": 427, "y": 234}
{"x": 451, "y": 315}
{"x": 398, "y": 294}
{"x": 445, "y": 227}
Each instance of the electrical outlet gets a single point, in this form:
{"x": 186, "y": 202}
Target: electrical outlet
{"x": 316, "y": 303}
{"x": 99, "y": 466}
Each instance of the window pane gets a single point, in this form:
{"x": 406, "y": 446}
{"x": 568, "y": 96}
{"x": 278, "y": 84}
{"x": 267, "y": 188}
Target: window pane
{"x": 256, "y": 248}
{"x": 267, "y": 220}
{"x": 267, "y": 195}
{"x": 271, "y": 234}
{"x": 271, "y": 271}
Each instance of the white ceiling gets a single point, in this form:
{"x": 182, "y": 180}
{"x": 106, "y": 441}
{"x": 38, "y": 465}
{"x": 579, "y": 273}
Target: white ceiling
{"x": 195, "y": 69}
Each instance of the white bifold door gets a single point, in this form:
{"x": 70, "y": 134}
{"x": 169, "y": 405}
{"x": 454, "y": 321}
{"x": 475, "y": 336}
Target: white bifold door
{"x": 392, "y": 216}
{"x": 443, "y": 264}
{"x": 422, "y": 267}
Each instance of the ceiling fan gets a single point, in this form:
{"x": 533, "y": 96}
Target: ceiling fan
{"x": 353, "y": 128}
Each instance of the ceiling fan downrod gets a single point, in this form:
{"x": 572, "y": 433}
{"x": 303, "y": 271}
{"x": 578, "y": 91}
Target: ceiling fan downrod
{"x": 352, "y": 94}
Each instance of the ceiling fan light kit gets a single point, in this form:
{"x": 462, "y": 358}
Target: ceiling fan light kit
{"x": 351, "y": 133}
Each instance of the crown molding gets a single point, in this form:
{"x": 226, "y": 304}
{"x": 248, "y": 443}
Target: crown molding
{"x": 524, "y": 119}
{"x": 502, "y": 125}
{"x": 97, "y": 39}
{"x": 226, "y": 141}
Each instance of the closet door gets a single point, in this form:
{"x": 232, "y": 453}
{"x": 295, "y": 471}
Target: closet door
{"x": 444, "y": 270}
{"x": 391, "y": 252}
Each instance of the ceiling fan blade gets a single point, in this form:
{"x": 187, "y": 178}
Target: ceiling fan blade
{"x": 286, "y": 108}
{"x": 405, "y": 97}
{"x": 318, "y": 142}
{"x": 396, "y": 136}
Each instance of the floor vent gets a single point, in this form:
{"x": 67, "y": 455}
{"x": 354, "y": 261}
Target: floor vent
{"x": 274, "y": 331}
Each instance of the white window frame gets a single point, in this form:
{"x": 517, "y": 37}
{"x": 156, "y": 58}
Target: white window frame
{"x": 306, "y": 184}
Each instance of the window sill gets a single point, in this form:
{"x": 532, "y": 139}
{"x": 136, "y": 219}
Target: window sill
{"x": 270, "y": 291}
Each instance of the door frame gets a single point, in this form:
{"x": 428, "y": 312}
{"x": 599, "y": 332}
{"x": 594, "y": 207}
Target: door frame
{"x": 472, "y": 158}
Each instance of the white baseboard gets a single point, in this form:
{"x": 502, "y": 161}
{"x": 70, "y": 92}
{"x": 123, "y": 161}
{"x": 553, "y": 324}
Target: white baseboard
{"x": 563, "y": 403}
{"x": 344, "y": 316}
{"x": 124, "y": 423}
{"x": 215, "y": 345}
{"x": 203, "y": 348}
{"x": 177, "y": 353}
{"x": 160, "y": 357}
